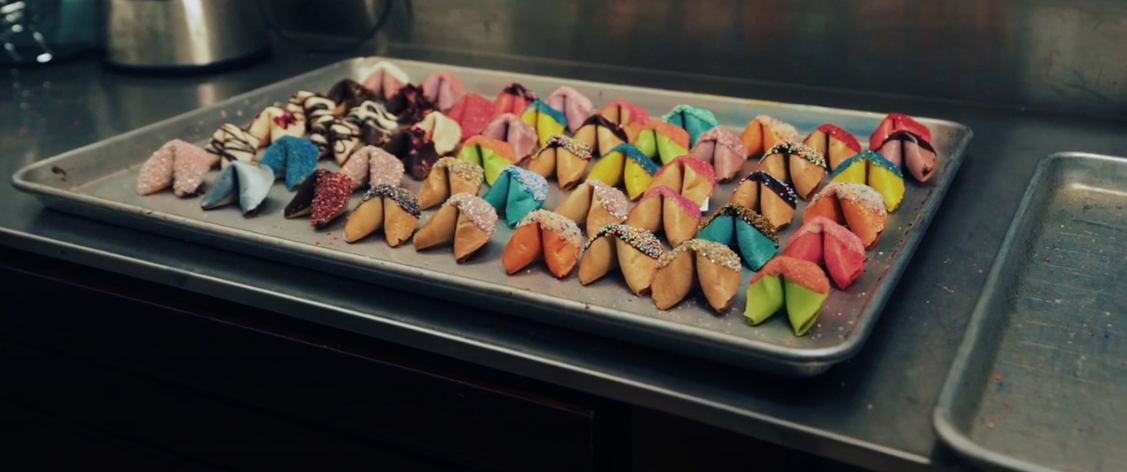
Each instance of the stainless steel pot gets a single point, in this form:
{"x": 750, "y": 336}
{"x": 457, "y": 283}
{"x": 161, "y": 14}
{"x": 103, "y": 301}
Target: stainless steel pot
{"x": 181, "y": 33}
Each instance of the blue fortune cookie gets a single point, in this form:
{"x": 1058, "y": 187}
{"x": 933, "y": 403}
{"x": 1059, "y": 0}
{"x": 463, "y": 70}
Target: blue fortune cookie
{"x": 516, "y": 193}
{"x": 753, "y": 236}
{"x": 695, "y": 120}
{"x": 244, "y": 182}
{"x": 296, "y": 158}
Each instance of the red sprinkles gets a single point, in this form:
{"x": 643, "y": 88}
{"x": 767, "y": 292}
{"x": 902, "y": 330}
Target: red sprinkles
{"x": 330, "y": 198}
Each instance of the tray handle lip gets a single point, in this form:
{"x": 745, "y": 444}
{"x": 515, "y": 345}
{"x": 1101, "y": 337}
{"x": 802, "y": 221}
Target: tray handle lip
{"x": 853, "y": 345}
{"x": 20, "y": 181}
{"x": 942, "y": 420}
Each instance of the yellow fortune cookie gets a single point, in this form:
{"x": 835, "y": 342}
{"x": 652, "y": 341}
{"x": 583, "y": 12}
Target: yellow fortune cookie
{"x": 626, "y": 165}
{"x": 872, "y": 169}
{"x": 548, "y": 121}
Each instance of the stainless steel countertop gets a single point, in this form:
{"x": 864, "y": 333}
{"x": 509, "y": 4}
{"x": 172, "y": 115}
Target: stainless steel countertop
{"x": 872, "y": 411}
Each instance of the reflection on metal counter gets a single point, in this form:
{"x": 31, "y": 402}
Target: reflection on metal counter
{"x": 182, "y": 34}
{"x": 41, "y": 31}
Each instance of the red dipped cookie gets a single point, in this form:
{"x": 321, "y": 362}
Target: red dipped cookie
{"x": 514, "y": 98}
{"x": 822, "y": 241}
{"x": 856, "y": 206}
{"x": 834, "y": 143}
{"x": 623, "y": 113}
{"x": 473, "y": 112}
{"x": 907, "y": 143}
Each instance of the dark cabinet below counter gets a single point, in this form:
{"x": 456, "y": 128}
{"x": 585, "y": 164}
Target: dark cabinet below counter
{"x": 108, "y": 370}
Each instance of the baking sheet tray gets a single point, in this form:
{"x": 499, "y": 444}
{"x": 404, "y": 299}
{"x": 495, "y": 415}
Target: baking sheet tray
{"x": 1040, "y": 381}
{"x": 97, "y": 181}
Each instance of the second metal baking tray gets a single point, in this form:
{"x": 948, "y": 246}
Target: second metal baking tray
{"x": 1040, "y": 381}
{"x": 97, "y": 182}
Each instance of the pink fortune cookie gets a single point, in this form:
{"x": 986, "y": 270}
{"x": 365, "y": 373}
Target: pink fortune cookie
{"x": 723, "y": 149}
{"x": 385, "y": 80}
{"x": 511, "y": 129}
{"x": 894, "y": 122}
{"x": 836, "y": 144}
{"x": 832, "y": 131}
{"x": 692, "y": 178}
{"x": 374, "y": 165}
{"x": 443, "y": 90}
{"x": 688, "y": 206}
{"x": 822, "y": 241}
{"x": 800, "y": 271}
{"x": 191, "y": 163}
{"x": 905, "y": 142}
{"x": 663, "y": 209}
{"x": 156, "y": 172}
{"x": 574, "y": 105}
{"x": 178, "y": 164}
{"x": 473, "y": 112}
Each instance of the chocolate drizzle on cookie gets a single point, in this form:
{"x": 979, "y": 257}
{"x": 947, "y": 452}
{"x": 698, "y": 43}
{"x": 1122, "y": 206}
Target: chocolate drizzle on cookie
{"x": 519, "y": 90}
{"x": 317, "y": 107}
{"x": 777, "y": 186}
{"x": 296, "y": 106}
{"x": 348, "y": 94}
{"x": 409, "y": 105}
{"x": 232, "y": 143}
{"x": 906, "y": 135}
{"x": 412, "y": 146}
{"x": 602, "y": 121}
{"x": 375, "y": 122}
{"x": 319, "y": 116}
{"x": 344, "y": 138}
{"x": 319, "y": 133}
{"x": 334, "y": 136}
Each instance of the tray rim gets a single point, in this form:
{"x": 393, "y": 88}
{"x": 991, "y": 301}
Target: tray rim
{"x": 817, "y": 359}
{"x": 942, "y": 417}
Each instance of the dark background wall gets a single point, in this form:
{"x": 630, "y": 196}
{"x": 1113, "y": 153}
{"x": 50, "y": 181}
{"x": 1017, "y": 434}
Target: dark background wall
{"x": 1049, "y": 55}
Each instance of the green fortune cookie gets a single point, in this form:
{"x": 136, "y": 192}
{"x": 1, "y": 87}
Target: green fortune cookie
{"x": 764, "y": 298}
{"x": 665, "y": 141}
{"x": 797, "y": 284}
{"x": 492, "y": 155}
